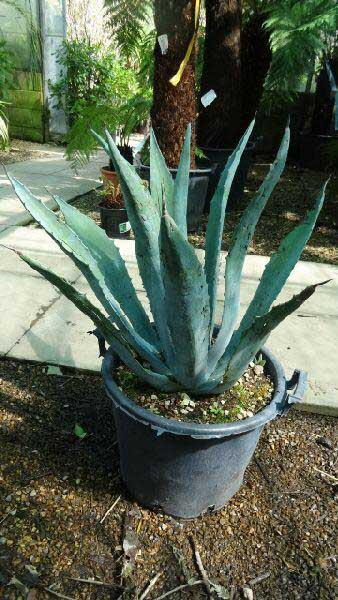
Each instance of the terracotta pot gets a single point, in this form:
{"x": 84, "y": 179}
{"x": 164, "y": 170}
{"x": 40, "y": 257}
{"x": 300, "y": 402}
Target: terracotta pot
{"x": 108, "y": 175}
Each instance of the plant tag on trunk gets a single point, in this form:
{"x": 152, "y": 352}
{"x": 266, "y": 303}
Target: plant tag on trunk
{"x": 163, "y": 41}
{"x": 208, "y": 98}
{"x": 124, "y": 227}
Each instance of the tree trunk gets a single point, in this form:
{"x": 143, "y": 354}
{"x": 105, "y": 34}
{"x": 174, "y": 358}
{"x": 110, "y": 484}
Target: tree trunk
{"x": 256, "y": 59}
{"x": 174, "y": 107}
{"x": 220, "y": 123}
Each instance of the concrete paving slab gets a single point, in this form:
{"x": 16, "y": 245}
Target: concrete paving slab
{"x": 306, "y": 340}
{"x": 44, "y": 177}
{"x": 25, "y": 296}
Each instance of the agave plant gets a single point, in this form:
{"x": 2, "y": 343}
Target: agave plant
{"x": 178, "y": 347}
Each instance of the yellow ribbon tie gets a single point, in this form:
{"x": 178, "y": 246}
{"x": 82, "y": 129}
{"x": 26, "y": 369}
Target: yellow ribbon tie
{"x": 177, "y": 78}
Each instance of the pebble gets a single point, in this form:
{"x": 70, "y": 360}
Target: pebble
{"x": 8, "y": 498}
{"x": 32, "y": 493}
{"x": 153, "y": 397}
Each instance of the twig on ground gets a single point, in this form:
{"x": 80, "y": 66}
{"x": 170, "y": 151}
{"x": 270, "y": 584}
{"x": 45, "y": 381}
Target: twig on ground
{"x": 179, "y": 588}
{"x": 327, "y": 474}
{"x": 53, "y": 593}
{"x": 110, "y": 509}
{"x": 232, "y": 593}
{"x": 96, "y": 582}
{"x": 264, "y": 473}
{"x": 259, "y": 578}
{"x": 150, "y": 586}
{"x": 5, "y": 517}
{"x": 201, "y": 568}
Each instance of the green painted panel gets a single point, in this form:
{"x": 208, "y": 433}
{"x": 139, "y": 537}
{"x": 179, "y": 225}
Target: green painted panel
{"x": 25, "y": 117}
{"x": 23, "y": 80}
{"x": 24, "y": 99}
{"x": 26, "y": 133}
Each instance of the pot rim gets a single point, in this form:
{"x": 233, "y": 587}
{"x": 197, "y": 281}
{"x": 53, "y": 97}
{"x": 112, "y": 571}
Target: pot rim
{"x": 123, "y": 208}
{"x": 249, "y": 146}
{"x": 204, "y": 171}
{"x": 276, "y": 406}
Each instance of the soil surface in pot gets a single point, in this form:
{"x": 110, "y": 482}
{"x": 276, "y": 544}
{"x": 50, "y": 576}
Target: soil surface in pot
{"x": 277, "y": 535}
{"x": 250, "y": 394}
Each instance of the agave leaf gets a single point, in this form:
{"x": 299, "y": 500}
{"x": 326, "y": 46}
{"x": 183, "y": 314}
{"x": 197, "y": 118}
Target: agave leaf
{"x": 181, "y": 185}
{"x": 281, "y": 264}
{"x": 145, "y": 221}
{"x": 235, "y": 260}
{"x": 112, "y": 267}
{"x": 186, "y": 303}
{"x": 161, "y": 181}
{"x": 105, "y": 326}
{"x": 215, "y": 225}
{"x": 86, "y": 263}
{"x": 253, "y": 338}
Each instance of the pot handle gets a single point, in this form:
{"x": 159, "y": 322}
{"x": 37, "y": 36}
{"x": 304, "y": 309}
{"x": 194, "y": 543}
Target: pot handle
{"x": 297, "y": 383}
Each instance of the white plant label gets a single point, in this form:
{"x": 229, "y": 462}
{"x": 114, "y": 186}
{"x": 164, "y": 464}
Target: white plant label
{"x": 124, "y": 227}
{"x": 208, "y": 98}
{"x": 163, "y": 41}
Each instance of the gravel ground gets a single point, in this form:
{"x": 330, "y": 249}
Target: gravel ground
{"x": 287, "y": 206}
{"x": 21, "y": 150}
{"x": 56, "y": 488}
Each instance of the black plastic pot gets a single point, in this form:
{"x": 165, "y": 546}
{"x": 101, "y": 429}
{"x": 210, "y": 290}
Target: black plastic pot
{"x": 218, "y": 158}
{"x": 187, "y": 469}
{"x": 198, "y": 187}
{"x": 313, "y": 151}
{"x": 111, "y": 219}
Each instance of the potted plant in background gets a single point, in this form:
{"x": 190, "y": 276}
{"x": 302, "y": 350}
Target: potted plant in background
{"x": 114, "y": 218}
{"x": 174, "y": 96}
{"x": 172, "y": 457}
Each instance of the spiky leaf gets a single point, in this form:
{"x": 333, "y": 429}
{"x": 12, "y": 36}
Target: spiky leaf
{"x": 87, "y": 264}
{"x": 252, "y": 339}
{"x": 235, "y": 260}
{"x": 213, "y": 238}
{"x": 145, "y": 221}
{"x": 282, "y": 263}
{"x": 112, "y": 267}
{"x": 161, "y": 181}
{"x": 186, "y": 303}
{"x": 105, "y": 326}
{"x": 181, "y": 185}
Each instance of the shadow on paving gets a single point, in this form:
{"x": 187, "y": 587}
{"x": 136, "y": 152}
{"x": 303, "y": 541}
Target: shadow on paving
{"x": 55, "y": 489}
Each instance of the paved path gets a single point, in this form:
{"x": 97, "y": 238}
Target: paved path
{"x": 40, "y": 325}
{"x": 45, "y": 176}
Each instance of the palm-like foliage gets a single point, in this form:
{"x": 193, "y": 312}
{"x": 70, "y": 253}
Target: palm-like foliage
{"x": 4, "y": 136}
{"x": 300, "y": 33}
{"x": 128, "y": 20}
{"x": 181, "y": 349}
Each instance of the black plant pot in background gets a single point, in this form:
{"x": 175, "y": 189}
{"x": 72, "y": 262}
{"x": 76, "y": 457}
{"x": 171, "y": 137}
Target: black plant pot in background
{"x": 313, "y": 151}
{"x": 198, "y": 188}
{"x": 111, "y": 219}
{"x": 187, "y": 469}
{"x": 218, "y": 158}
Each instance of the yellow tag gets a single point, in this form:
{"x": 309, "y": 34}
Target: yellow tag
{"x": 177, "y": 78}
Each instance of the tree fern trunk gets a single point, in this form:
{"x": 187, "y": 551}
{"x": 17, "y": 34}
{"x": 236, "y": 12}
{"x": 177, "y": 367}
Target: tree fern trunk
{"x": 174, "y": 107}
{"x": 220, "y": 124}
{"x": 256, "y": 59}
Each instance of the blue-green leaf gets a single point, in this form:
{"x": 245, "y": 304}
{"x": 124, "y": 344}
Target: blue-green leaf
{"x": 145, "y": 221}
{"x": 281, "y": 264}
{"x": 87, "y": 264}
{"x": 186, "y": 303}
{"x": 213, "y": 238}
{"x": 254, "y": 337}
{"x": 161, "y": 181}
{"x": 181, "y": 185}
{"x": 235, "y": 260}
{"x": 112, "y": 267}
{"x": 105, "y": 326}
